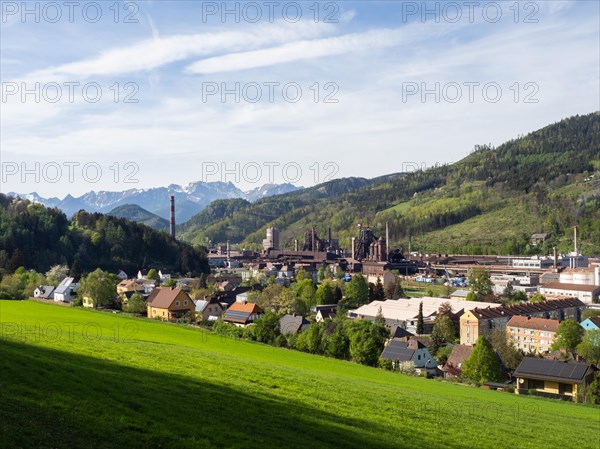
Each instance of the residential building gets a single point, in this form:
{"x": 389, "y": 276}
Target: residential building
{"x": 242, "y": 314}
{"x": 326, "y": 311}
{"x": 128, "y": 286}
{"x": 591, "y": 324}
{"x": 66, "y": 290}
{"x": 170, "y": 304}
{"x": 293, "y": 324}
{"x": 400, "y": 350}
{"x": 532, "y": 334}
{"x": 453, "y": 366}
{"x": 163, "y": 275}
{"x": 44, "y": 292}
{"x": 587, "y": 293}
{"x": 143, "y": 274}
{"x": 208, "y": 309}
{"x": 481, "y": 321}
{"x": 552, "y": 378}
{"x": 122, "y": 275}
{"x": 536, "y": 239}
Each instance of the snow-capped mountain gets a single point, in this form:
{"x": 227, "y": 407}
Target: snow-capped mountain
{"x": 189, "y": 199}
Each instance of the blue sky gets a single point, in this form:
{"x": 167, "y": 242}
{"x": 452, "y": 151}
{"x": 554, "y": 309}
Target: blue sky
{"x": 371, "y": 61}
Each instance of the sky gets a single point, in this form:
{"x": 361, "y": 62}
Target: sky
{"x": 117, "y": 95}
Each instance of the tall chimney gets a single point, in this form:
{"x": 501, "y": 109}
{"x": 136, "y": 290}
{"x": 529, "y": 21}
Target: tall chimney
{"x": 353, "y": 243}
{"x": 387, "y": 235}
{"x": 575, "y": 239}
{"x": 296, "y": 245}
{"x": 173, "y": 216}
{"x": 555, "y": 257}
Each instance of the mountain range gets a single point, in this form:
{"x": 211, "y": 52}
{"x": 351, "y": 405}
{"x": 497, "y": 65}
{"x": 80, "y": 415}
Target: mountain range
{"x": 189, "y": 199}
{"x": 490, "y": 202}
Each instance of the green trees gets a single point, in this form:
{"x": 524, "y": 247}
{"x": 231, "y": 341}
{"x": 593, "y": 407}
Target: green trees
{"x": 366, "y": 342}
{"x": 153, "y": 275}
{"x": 357, "y": 291}
{"x": 568, "y": 335}
{"x": 503, "y": 343}
{"x": 483, "y": 365}
{"x": 398, "y": 290}
{"x": 378, "y": 291}
{"x": 324, "y": 294}
{"x": 589, "y": 348}
{"x": 443, "y": 332}
{"x": 480, "y": 282}
{"x": 266, "y": 328}
{"x": 420, "y": 323}
{"x": 100, "y": 287}
{"x": 136, "y": 304}
{"x": 589, "y": 313}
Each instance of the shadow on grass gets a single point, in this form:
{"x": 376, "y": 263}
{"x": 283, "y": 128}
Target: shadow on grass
{"x": 55, "y": 399}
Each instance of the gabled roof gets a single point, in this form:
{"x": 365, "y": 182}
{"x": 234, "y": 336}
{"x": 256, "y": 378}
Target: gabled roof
{"x": 64, "y": 285}
{"x": 289, "y": 324}
{"x": 46, "y": 291}
{"x": 526, "y": 309}
{"x": 399, "y": 350}
{"x": 540, "y": 324}
{"x": 459, "y": 354}
{"x": 163, "y": 297}
{"x": 553, "y": 370}
{"x": 595, "y": 320}
{"x": 240, "y": 312}
{"x": 399, "y": 332}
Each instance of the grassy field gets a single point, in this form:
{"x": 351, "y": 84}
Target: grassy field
{"x": 84, "y": 379}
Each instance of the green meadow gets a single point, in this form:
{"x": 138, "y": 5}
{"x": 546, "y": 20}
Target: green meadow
{"x": 73, "y": 378}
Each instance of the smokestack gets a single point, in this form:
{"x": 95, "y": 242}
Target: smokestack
{"x": 228, "y": 249}
{"x": 387, "y": 235}
{"x": 296, "y": 245}
{"x": 555, "y": 257}
{"x": 353, "y": 243}
{"x": 173, "y": 216}
{"x": 575, "y": 239}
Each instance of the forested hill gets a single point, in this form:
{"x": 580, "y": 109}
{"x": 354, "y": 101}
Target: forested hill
{"x": 489, "y": 202}
{"x": 37, "y": 237}
{"x": 133, "y": 212}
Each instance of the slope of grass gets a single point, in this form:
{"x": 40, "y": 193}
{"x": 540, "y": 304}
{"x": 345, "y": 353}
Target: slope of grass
{"x": 83, "y": 379}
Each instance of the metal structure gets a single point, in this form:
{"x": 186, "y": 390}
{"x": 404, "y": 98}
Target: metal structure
{"x": 172, "y": 222}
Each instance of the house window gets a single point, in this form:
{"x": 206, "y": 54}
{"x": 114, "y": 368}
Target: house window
{"x": 565, "y": 389}
{"x": 177, "y": 303}
{"x": 153, "y": 311}
{"x": 163, "y": 313}
{"x": 536, "y": 384}
{"x": 185, "y": 302}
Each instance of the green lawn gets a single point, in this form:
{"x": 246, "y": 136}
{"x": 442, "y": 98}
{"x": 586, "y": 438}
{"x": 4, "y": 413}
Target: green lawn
{"x": 73, "y": 378}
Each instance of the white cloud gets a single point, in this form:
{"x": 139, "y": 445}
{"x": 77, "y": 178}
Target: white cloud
{"x": 308, "y": 49}
{"x": 153, "y": 53}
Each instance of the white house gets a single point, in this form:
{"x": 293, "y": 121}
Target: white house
{"x": 65, "y": 290}
{"x": 122, "y": 275}
{"x": 164, "y": 276}
{"x": 400, "y": 350}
